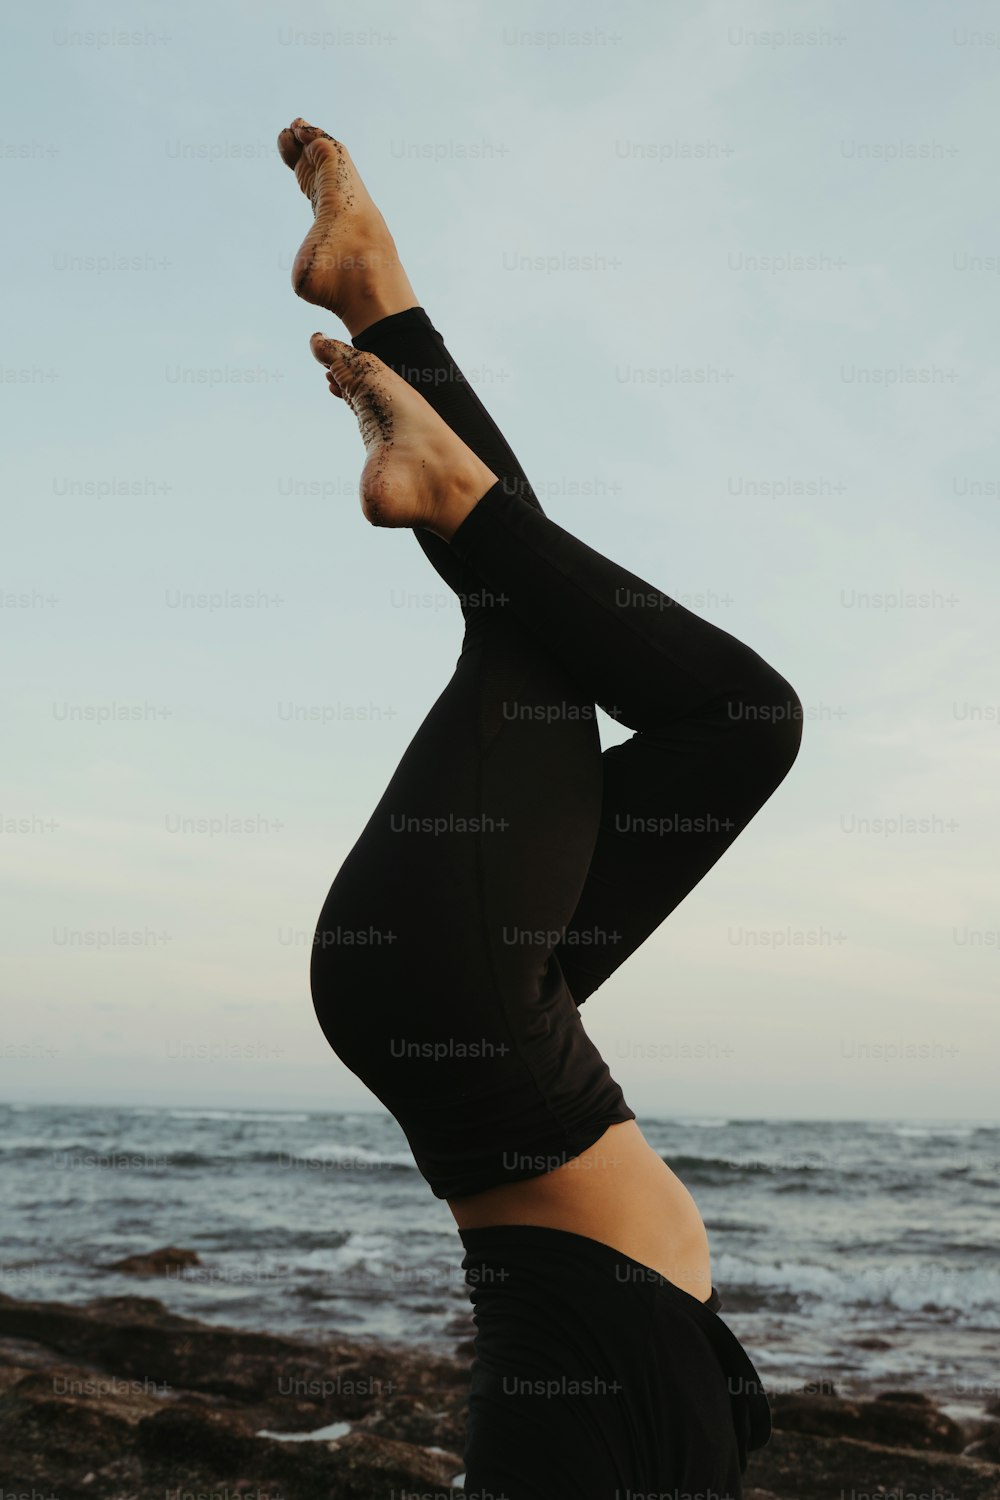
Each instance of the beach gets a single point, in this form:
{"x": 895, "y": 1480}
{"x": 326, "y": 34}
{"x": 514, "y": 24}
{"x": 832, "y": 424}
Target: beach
{"x": 226, "y": 1301}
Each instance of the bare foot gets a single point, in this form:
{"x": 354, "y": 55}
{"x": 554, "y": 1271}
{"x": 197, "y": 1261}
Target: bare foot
{"x": 348, "y": 261}
{"x": 417, "y": 472}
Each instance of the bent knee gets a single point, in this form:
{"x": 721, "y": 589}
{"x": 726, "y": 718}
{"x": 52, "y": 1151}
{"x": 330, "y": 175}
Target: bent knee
{"x": 772, "y": 709}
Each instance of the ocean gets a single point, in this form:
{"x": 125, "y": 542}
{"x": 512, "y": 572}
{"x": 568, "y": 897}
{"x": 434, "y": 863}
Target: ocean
{"x": 862, "y": 1252}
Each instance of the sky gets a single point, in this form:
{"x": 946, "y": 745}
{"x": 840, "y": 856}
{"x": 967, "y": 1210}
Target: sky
{"x": 726, "y": 276}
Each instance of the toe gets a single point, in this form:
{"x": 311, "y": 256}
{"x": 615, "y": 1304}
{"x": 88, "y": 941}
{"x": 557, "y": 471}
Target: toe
{"x": 328, "y": 351}
{"x": 307, "y": 133}
{"x": 289, "y": 147}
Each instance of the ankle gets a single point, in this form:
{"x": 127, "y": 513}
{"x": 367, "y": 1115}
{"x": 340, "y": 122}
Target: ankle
{"x": 458, "y": 498}
{"x": 371, "y": 300}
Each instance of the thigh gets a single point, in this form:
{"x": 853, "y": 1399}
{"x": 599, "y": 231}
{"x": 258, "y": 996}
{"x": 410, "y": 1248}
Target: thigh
{"x": 673, "y": 801}
{"x": 433, "y": 974}
{"x": 483, "y": 837}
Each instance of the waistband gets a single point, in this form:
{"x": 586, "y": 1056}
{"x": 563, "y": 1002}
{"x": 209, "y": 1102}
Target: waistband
{"x": 495, "y": 1237}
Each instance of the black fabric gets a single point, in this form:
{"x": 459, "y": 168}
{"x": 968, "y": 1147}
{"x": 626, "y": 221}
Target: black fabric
{"x": 595, "y": 1378}
{"x": 510, "y": 867}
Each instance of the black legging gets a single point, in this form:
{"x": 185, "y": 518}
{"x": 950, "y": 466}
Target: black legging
{"x": 510, "y": 866}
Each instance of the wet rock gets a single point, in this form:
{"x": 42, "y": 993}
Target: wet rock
{"x": 976, "y": 1427}
{"x": 120, "y": 1398}
{"x": 137, "y": 1336}
{"x": 187, "y": 1447}
{"x": 901, "y": 1420}
{"x": 52, "y": 1434}
{"x": 805, "y": 1466}
{"x": 986, "y": 1445}
{"x": 162, "y": 1262}
{"x": 417, "y": 1422}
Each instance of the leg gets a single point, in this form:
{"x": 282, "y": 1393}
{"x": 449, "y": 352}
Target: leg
{"x": 650, "y": 852}
{"x": 349, "y": 263}
{"x": 488, "y": 824}
{"x": 717, "y": 729}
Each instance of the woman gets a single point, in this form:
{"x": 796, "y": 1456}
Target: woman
{"x": 510, "y": 868}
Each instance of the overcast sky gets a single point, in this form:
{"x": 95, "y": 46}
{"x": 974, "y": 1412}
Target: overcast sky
{"x": 805, "y": 453}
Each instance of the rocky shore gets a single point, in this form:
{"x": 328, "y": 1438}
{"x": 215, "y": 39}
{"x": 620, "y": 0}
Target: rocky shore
{"x": 123, "y": 1400}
